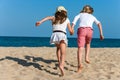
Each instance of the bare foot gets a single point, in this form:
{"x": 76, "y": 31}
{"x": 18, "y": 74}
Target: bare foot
{"x": 87, "y": 61}
{"x": 79, "y": 69}
{"x": 62, "y": 70}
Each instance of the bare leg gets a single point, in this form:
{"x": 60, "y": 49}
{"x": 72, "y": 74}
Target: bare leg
{"x": 79, "y": 57}
{"x": 87, "y": 50}
{"x": 62, "y": 58}
{"x": 58, "y": 53}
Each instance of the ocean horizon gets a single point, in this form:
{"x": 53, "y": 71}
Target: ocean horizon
{"x": 14, "y": 41}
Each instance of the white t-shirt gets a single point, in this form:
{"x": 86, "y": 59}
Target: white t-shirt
{"x": 85, "y": 20}
{"x": 61, "y": 27}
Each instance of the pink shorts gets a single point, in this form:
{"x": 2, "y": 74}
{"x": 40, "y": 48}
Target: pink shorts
{"x": 84, "y": 36}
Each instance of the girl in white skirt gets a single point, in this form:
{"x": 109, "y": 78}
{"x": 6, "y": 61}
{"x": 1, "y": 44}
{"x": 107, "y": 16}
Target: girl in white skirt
{"x": 60, "y": 23}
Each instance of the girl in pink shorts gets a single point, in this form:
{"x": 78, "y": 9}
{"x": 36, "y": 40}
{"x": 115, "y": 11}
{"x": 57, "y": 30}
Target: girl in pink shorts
{"x": 84, "y": 33}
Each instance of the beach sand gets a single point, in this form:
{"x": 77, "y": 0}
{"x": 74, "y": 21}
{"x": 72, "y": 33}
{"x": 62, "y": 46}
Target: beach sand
{"x": 40, "y": 63}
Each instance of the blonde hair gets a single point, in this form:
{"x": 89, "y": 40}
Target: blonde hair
{"x": 87, "y": 9}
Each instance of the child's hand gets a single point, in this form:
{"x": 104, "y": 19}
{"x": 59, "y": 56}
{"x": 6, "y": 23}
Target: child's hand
{"x": 101, "y": 37}
{"x": 37, "y": 23}
{"x": 72, "y": 32}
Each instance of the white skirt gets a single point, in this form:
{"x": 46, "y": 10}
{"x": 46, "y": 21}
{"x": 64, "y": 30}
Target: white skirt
{"x": 56, "y": 37}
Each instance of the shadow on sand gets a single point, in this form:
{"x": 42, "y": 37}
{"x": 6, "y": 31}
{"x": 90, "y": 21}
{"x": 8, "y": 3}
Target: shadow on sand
{"x": 25, "y": 62}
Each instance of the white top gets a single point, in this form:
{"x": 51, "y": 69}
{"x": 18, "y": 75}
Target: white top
{"x": 61, "y": 27}
{"x": 85, "y": 20}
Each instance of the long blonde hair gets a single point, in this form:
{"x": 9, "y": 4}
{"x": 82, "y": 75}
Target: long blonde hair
{"x": 87, "y": 9}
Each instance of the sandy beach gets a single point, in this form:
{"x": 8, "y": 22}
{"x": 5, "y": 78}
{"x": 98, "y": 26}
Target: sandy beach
{"x": 40, "y": 63}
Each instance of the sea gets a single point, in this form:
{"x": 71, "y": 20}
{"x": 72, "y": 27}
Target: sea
{"x": 6, "y": 41}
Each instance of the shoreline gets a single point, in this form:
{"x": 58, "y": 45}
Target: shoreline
{"x": 49, "y": 47}
{"x": 15, "y": 64}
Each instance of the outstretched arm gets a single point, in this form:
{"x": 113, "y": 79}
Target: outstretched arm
{"x": 43, "y": 20}
{"x": 100, "y": 30}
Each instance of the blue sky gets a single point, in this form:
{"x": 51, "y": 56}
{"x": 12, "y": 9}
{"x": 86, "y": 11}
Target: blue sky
{"x": 18, "y": 17}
